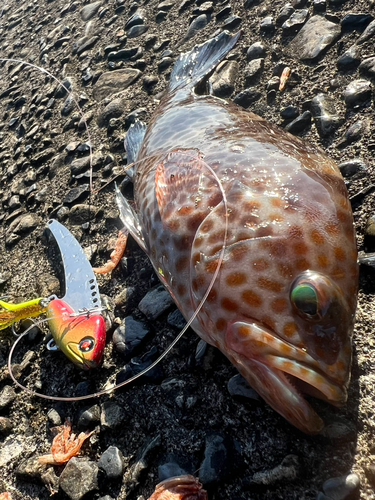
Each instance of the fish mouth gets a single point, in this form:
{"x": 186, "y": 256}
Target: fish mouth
{"x": 278, "y": 371}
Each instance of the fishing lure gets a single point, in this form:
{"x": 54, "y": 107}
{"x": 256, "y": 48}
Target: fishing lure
{"x": 12, "y": 313}
{"x": 75, "y": 321}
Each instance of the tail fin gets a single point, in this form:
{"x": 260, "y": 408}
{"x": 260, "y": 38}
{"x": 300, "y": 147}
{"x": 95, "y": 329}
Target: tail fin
{"x": 191, "y": 67}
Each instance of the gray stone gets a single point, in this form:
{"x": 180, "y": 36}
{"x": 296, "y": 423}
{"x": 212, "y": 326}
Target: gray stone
{"x": 238, "y": 386}
{"x": 215, "y": 463}
{"x": 114, "y": 109}
{"x": 255, "y": 51}
{"x": 176, "y": 319}
{"x": 299, "y": 124}
{"x": 296, "y": 20}
{"x": 367, "y": 67}
{"x": 89, "y": 417}
{"x": 267, "y": 24}
{"x": 6, "y": 426}
{"x": 127, "y": 337}
{"x": 315, "y": 37}
{"x": 323, "y": 110}
{"x": 54, "y": 417}
{"x": 253, "y": 70}
{"x": 30, "y": 468}
{"x": 88, "y": 44}
{"x": 342, "y": 488}
{"x": 137, "y": 31}
{"x": 196, "y": 25}
{"x": 349, "y": 58}
{"x": 352, "y": 167}
{"x": 112, "y": 415}
{"x": 112, "y": 463}
{"x": 155, "y": 302}
{"x": 223, "y": 79}
{"x": 79, "y": 478}
{"x": 247, "y": 97}
{"x": 89, "y": 11}
{"x": 367, "y": 34}
{"x": 358, "y": 92}
{"x": 170, "y": 469}
{"x": 122, "y": 55}
{"x": 76, "y": 193}
{"x": 14, "y": 447}
{"x": 114, "y": 81}
{"x": 24, "y": 224}
{"x": 355, "y": 131}
{"x": 284, "y": 14}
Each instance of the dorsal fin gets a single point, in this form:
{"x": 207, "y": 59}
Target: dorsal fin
{"x": 192, "y": 66}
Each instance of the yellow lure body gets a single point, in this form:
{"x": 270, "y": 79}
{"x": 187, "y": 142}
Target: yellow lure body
{"x": 11, "y": 313}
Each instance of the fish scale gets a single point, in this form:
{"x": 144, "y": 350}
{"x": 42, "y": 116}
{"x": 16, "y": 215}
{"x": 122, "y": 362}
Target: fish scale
{"x": 282, "y": 306}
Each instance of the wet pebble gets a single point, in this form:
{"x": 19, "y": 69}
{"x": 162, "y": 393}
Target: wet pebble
{"x": 76, "y": 194}
{"x": 54, "y": 417}
{"x": 267, "y": 24}
{"x": 253, "y": 70}
{"x": 323, "y": 109}
{"x": 359, "y": 21}
{"x": 176, "y": 319}
{"x": 367, "y": 34}
{"x": 155, "y": 302}
{"x": 89, "y": 417}
{"x": 299, "y": 124}
{"x": 296, "y": 20}
{"x": 137, "y": 31}
{"x": 215, "y": 465}
{"x": 114, "y": 81}
{"x": 255, "y": 51}
{"x": 232, "y": 23}
{"x": 238, "y": 386}
{"x": 114, "y": 109}
{"x": 284, "y": 14}
{"x": 112, "y": 415}
{"x": 138, "y": 364}
{"x": 79, "y": 478}
{"x": 350, "y": 58}
{"x": 367, "y": 67}
{"x": 289, "y": 113}
{"x": 170, "y": 469}
{"x": 342, "y": 488}
{"x": 223, "y": 79}
{"x": 357, "y": 92}
{"x": 138, "y": 18}
{"x": 129, "y": 336}
{"x": 289, "y": 470}
{"x": 247, "y": 97}
{"x": 196, "y": 25}
{"x": 351, "y": 167}
{"x": 89, "y": 11}
{"x": 112, "y": 463}
{"x": 316, "y": 36}
{"x": 355, "y": 131}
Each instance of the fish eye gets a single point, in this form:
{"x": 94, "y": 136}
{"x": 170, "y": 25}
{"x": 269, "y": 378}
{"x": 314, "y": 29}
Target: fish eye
{"x": 304, "y": 298}
{"x": 87, "y": 344}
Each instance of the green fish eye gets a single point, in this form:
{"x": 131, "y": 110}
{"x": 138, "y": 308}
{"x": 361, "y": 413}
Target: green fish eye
{"x": 305, "y": 298}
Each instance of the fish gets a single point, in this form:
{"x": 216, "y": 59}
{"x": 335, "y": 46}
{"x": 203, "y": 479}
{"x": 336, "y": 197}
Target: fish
{"x": 209, "y": 175}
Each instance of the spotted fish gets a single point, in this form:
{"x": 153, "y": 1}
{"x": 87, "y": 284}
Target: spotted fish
{"x": 282, "y": 306}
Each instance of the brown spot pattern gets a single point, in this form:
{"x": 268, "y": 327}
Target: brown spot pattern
{"x": 251, "y": 298}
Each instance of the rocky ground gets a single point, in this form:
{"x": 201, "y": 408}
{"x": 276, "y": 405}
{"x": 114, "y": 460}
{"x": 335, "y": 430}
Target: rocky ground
{"x": 191, "y": 414}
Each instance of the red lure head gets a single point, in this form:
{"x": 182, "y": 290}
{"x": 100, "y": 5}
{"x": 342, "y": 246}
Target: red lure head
{"x": 80, "y": 338}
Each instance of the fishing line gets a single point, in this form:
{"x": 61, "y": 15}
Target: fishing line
{"x": 167, "y": 350}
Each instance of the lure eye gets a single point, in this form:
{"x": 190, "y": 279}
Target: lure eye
{"x": 87, "y": 344}
{"x": 305, "y": 299}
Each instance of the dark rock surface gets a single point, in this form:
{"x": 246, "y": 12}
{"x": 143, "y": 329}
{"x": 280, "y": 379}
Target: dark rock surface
{"x": 116, "y": 57}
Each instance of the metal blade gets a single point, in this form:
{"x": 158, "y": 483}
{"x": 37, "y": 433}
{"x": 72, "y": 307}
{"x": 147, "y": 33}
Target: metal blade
{"x": 81, "y": 288}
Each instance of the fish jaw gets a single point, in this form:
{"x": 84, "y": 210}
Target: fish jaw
{"x": 80, "y": 338}
{"x": 270, "y": 365}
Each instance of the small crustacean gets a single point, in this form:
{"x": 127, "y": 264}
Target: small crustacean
{"x": 179, "y": 488}
{"x": 284, "y": 78}
{"x": 65, "y": 445}
{"x": 11, "y": 313}
{"x": 115, "y": 256}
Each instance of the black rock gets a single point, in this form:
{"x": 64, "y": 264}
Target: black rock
{"x": 122, "y": 55}
{"x": 155, "y": 302}
{"x": 238, "y": 386}
{"x": 89, "y": 417}
{"x": 357, "y": 93}
{"x": 170, "y": 469}
{"x": 299, "y": 124}
{"x": 289, "y": 113}
{"x": 367, "y": 67}
{"x": 196, "y": 25}
{"x": 176, "y": 319}
{"x": 367, "y": 34}
{"x": 139, "y": 364}
{"x": 284, "y": 14}
{"x": 79, "y": 478}
{"x": 136, "y": 31}
{"x": 112, "y": 415}
{"x": 267, "y": 25}
{"x": 349, "y": 59}
{"x": 232, "y": 23}
{"x": 128, "y": 337}
{"x": 247, "y": 97}
{"x": 223, "y": 80}
{"x": 112, "y": 463}
{"x": 296, "y": 20}
{"x": 323, "y": 109}
{"x": 351, "y": 167}
{"x": 355, "y": 131}
{"x": 342, "y": 488}
{"x": 356, "y": 21}
{"x": 255, "y": 51}
{"x": 76, "y": 193}
{"x": 215, "y": 465}
{"x": 136, "y": 19}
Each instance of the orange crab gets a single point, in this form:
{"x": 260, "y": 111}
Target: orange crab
{"x": 64, "y": 445}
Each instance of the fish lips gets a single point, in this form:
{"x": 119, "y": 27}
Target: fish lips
{"x": 275, "y": 368}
